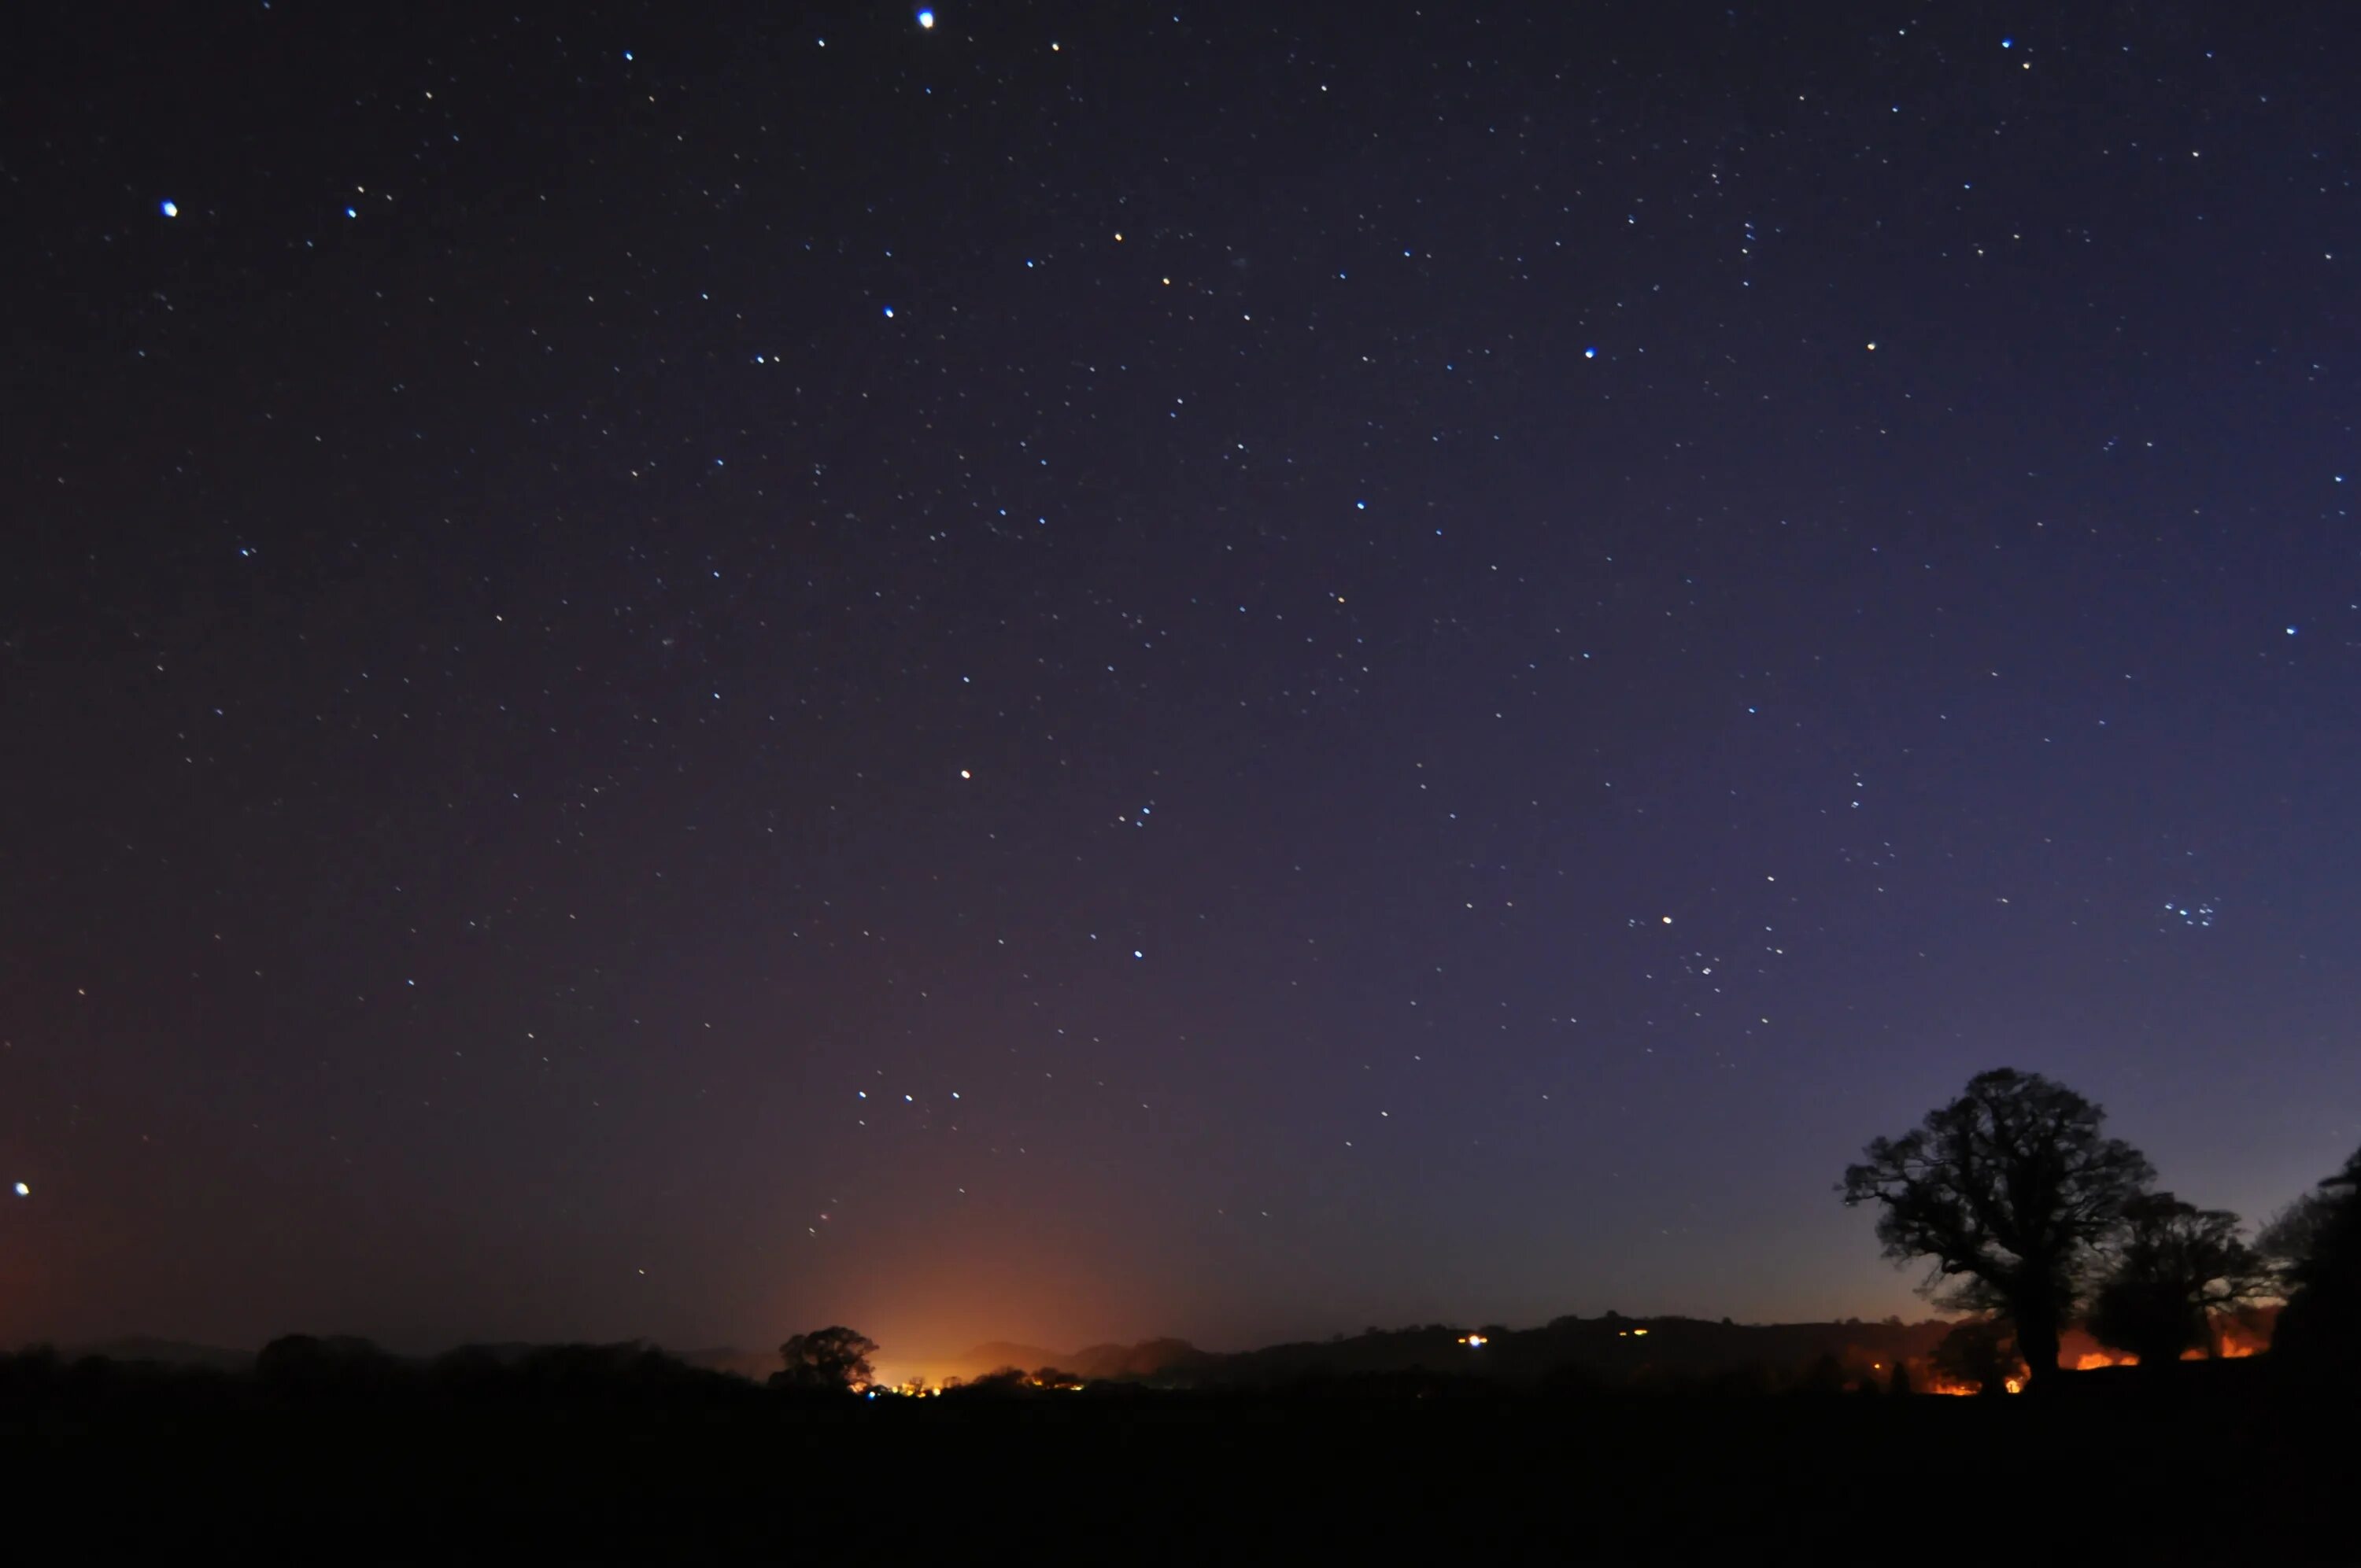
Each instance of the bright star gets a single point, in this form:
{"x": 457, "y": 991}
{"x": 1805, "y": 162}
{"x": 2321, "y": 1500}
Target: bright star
{"x": 926, "y": 19}
{"x": 23, "y": 1190}
{"x": 170, "y": 209}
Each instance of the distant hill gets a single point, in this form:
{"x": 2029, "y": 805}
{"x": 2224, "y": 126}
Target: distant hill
{"x": 1615, "y": 1349}
{"x": 1612, "y": 1349}
{"x": 1609, "y": 1349}
{"x": 717, "y": 1358}
{"x": 506, "y": 1352}
{"x": 727, "y": 1358}
{"x": 165, "y": 1353}
{"x": 997, "y": 1353}
{"x": 1149, "y": 1360}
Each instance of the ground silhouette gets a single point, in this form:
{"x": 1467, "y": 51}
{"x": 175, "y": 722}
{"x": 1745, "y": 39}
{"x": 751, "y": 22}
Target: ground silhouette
{"x": 1640, "y": 1439}
{"x": 335, "y": 1450}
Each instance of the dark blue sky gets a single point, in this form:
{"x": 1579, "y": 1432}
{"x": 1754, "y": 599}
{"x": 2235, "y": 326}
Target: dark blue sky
{"x": 1096, "y": 671}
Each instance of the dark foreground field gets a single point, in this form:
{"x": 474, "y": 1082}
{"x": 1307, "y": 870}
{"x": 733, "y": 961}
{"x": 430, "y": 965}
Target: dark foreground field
{"x": 2213, "y": 1470}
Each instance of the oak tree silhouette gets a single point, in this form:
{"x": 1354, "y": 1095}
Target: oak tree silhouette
{"x": 2008, "y": 1190}
{"x": 830, "y": 1360}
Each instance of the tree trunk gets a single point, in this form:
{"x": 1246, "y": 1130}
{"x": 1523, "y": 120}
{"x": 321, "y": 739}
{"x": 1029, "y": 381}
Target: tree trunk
{"x": 2036, "y": 1341}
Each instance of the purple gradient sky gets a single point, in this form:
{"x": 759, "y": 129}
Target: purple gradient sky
{"x": 1360, "y": 664}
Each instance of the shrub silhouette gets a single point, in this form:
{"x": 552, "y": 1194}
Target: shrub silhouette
{"x": 1824, "y": 1375}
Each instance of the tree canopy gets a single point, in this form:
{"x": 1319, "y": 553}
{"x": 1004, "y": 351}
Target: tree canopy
{"x": 2008, "y": 1190}
{"x": 2321, "y": 1328}
{"x": 1979, "y": 1353}
{"x": 833, "y": 1359}
{"x": 2171, "y": 1267}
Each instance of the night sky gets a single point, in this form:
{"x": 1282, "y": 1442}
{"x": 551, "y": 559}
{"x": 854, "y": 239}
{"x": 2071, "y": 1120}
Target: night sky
{"x": 1065, "y": 671}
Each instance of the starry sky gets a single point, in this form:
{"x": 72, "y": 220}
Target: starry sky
{"x": 1073, "y": 671}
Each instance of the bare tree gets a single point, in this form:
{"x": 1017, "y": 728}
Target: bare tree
{"x": 2008, "y": 1190}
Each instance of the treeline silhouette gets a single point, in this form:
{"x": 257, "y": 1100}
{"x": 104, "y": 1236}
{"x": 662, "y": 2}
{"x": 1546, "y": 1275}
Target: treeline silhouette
{"x": 1631, "y": 1438}
{"x": 333, "y": 1450}
{"x": 340, "y": 1371}
{"x": 2027, "y": 1213}
{"x": 2031, "y": 1218}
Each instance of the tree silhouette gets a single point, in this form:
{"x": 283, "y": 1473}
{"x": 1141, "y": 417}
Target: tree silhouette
{"x": 1980, "y": 1353}
{"x": 1825, "y": 1375}
{"x": 2008, "y": 1190}
{"x": 2172, "y": 1268}
{"x": 830, "y": 1360}
{"x": 2320, "y": 1330}
{"x": 2288, "y": 1237}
